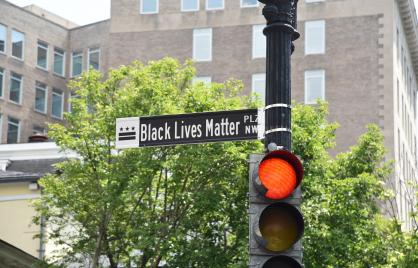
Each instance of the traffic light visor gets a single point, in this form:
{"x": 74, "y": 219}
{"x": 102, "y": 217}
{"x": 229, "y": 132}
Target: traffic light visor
{"x": 280, "y": 172}
{"x": 282, "y": 262}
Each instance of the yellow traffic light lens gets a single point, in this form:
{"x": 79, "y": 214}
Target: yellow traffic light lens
{"x": 278, "y": 177}
{"x": 281, "y": 225}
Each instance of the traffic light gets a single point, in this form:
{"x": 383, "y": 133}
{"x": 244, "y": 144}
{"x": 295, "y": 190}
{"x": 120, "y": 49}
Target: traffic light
{"x": 276, "y": 223}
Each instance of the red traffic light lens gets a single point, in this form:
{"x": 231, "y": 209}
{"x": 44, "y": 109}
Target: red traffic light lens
{"x": 278, "y": 177}
{"x": 282, "y": 262}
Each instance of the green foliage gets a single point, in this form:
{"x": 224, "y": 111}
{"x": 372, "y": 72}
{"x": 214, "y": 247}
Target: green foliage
{"x": 186, "y": 206}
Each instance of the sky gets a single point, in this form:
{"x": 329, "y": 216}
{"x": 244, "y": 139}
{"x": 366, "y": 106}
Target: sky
{"x": 79, "y": 11}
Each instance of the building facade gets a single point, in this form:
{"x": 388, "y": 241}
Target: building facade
{"x": 360, "y": 56}
{"x": 21, "y": 166}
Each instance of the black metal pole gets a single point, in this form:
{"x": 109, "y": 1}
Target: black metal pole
{"x": 280, "y": 32}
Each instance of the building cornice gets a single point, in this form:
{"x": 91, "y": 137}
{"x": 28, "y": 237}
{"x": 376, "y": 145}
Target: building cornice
{"x": 34, "y": 14}
{"x": 32, "y": 151}
{"x": 409, "y": 21}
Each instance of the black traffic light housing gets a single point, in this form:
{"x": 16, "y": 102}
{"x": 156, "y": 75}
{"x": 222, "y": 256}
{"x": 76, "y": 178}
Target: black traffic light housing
{"x": 276, "y": 226}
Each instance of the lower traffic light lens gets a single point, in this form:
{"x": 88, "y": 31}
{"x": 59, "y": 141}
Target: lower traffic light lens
{"x": 282, "y": 262}
{"x": 278, "y": 177}
{"x": 281, "y": 225}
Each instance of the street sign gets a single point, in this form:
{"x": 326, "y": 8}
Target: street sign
{"x": 206, "y": 127}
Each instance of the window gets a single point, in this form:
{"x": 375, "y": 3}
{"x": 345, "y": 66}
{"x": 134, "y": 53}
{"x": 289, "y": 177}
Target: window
{"x": 202, "y": 79}
{"x": 259, "y": 86}
{"x": 315, "y": 37}
{"x": 397, "y": 95}
{"x": 202, "y": 44}
{"x": 40, "y": 97}
{"x": 189, "y": 5}
{"x": 77, "y": 63}
{"x": 13, "y": 128}
{"x": 94, "y": 58}
{"x": 149, "y": 6}
{"x": 57, "y": 103}
{"x": 59, "y": 59}
{"x": 259, "y": 42}
{"x": 3, "y": 38}
{"x": 15, "y": 87}
{"x": 249, "y": 3}
{"x": 314, "y": 86}
{"x": 38, "y": 130}
{"x": 1, "y": 82}
{"x": 42, "y": 60}
{"x": 214, "y": 4}
{"x": 73, "y": 96}
{"x": 18, "y": 43}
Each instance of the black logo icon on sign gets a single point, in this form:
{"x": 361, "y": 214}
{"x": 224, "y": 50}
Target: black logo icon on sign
{"x": 127, "y": 133}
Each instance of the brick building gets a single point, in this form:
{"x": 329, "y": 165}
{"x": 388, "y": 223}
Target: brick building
{"x": 360, "y": 56}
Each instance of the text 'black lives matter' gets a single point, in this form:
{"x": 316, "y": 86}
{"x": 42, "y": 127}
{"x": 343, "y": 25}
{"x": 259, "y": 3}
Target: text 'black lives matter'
{"x": 198, "y": 127}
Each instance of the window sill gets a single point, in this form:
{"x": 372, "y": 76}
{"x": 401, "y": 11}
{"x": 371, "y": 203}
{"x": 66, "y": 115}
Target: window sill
{"x": 57, "y": 118}
{"x": 59, "y": 75}
{"x": 148, "y": 13}
{"x": 190, "y": 10}
{"x": 214, "y": 9}
{"x": 314, "y": 53}
{"x": 203, "y": 61}
{"x": 40, "y": 112}
{"x": 42, "y": 68}
{"x": 15, "y": 103}
{"x": 253, "y": 6}
{"x": 21, "y": 60}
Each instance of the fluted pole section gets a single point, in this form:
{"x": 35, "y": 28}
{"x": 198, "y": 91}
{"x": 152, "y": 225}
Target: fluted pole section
{"x": 280, "y": 32}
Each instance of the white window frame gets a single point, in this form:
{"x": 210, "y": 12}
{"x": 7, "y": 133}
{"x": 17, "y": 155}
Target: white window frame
{"x": 72, "y": 62}
{"x": 315, "y": 23}
{"x": 23, "y": 46}
{"x": 190, "y": 10}
{"x": 63, "y": 61}
{"x": 248, "y": 6}
{"x": 91, "y": 51}
{"x": 255, "y": 78}
{"x": 61, "y": 94}
{"x": 256, "y": 29}
{"x": 200, "y": 32}
{"x": 18, "y": 128}
{"x": 72, "y": 95}
{"x": 20, "y": 87}
{"x": 141, "y": 7}
{"x": 45, "y": 46}
{"x": 216, "y": 8}
{"x": 5, "y": 39}
{"x": 313, "y": 1}
{"x": 1, "y": 127}
{"x": 203, "y": 79}
{"x": 314, "y": 74}
{"x": 3, "y": 74}
{"x": 46, "y": 97}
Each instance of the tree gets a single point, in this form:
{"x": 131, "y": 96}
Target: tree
{"x": 186, "y": 205}
{"x": 342, "y": 195}
{"x": 182, "y": 205}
